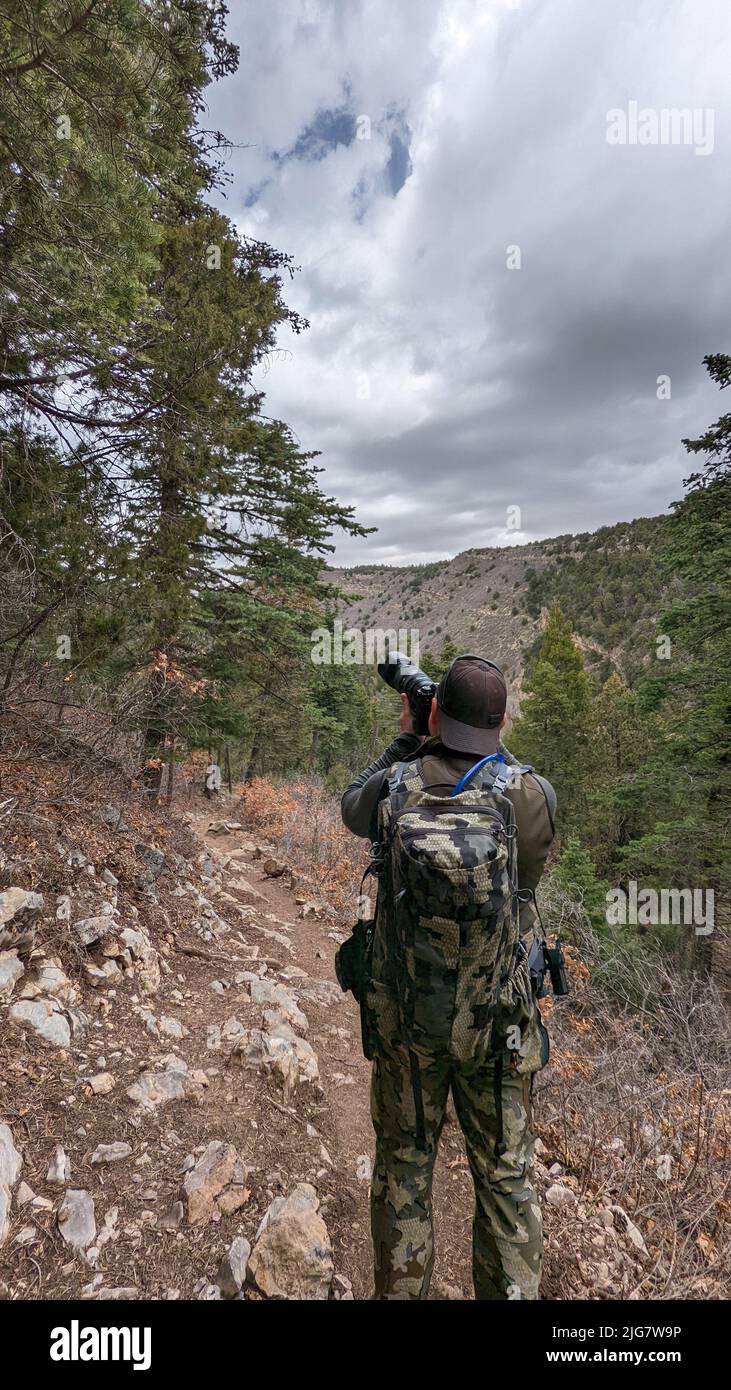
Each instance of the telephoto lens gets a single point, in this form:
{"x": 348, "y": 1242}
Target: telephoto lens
{"x": 401, "y": 674}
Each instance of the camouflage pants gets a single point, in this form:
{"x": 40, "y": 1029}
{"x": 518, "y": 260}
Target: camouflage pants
{"x": 507, "y": 1230}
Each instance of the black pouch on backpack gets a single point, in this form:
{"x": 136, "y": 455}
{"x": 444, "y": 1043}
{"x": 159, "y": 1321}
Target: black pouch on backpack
{"x": 353, "y": 969}
{"x": 353, "y": 960}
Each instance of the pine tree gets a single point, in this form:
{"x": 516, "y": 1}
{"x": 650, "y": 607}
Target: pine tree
{"x": 552, "y": 732}
{"x": 689, "y": 771}
{"x": 619, "y": 743}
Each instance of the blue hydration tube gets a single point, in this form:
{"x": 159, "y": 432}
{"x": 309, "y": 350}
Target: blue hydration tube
{"x": 462, "y": 783}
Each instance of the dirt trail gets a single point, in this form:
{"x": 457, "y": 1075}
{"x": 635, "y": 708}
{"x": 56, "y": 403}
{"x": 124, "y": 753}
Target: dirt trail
{"x": 343, "y": 1112}
{"x": 216, "y": 926}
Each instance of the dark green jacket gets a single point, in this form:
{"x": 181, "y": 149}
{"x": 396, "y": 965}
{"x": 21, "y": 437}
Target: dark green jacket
{"x": 533, "y": 799}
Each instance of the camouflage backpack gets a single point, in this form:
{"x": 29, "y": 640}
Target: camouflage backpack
{"x": 448, "y": 971}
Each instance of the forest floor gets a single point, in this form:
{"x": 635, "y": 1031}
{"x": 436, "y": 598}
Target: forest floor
{"x": 163, "y": 1029}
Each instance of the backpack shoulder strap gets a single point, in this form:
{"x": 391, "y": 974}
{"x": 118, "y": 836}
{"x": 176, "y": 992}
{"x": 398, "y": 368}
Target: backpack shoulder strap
{"x": 400, "y": 781}
{"x": 506, "y": 774}
{"x": 404, "y": 778}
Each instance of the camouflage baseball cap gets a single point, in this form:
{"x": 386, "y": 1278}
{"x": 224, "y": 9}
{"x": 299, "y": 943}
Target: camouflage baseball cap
{"x": 472, "y": 696}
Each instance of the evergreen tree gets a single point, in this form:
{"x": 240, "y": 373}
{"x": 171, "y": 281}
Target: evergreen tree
{"x": 98, "y": 107}
{"x": 689, "y": 772}
{"x": 619, "y": 743}
{"x": 552, "y": 732}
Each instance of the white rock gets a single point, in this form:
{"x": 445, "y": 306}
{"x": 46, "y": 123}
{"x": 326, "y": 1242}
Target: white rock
{"x": 4, "y": 1212}
{"x": 91, "y": 929}
{"x": 76, "y": 1219}
{"x": 11, "y": 970}
{"x": 558, "y": 1196}
{"x": 19, "y": 910}
{"x": 156, "y": 1088}
{"x": 172, "y": 1027}
{"x": 24, "y": 1194}
{"x": 59, "y": 1169}
{"x": 55, "y": 984}
{"x": 281, "y": 998}
{"x": 364, "y": 1168}
{"x": 633, "y": 1232}
{"x": 11, "y": 1160}
{"x": 102, "y": 1083}
{"x": 111, "y": 1153}
{"x": 44, "y": 1017}
{"x": 63, "y": 908}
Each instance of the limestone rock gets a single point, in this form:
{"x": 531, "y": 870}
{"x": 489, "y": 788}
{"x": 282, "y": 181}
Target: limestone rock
{"x": 91, "y": 929}
{"x": 55, "y": 984}
{"x": 19, "y": 913}
{"x": 558, "y": 1196}
{"x": 102, "y": 1083}
{"x": 211, "y": 1174}
{"x": 281, "y": 998}
{"x": 291, "y": 1059}
{"x": 11, "y": 1161}
{"x": 292, "y": 1257}
{"x": 11, "y": 970}
{"x": 4, "y": 1212}
{"x": 111, "y": 1153}
{"x": 155, "y": 1088}
{"x": 171, "y": 1220}
{"x": 59, "y": 1169}
{"x": 44, "y": 1017}
{"x": 76, "y": 1219}
{"x": 147, "y": 961}
{"x": 232, "y": 1272}
{"x": 172, "y": 1027}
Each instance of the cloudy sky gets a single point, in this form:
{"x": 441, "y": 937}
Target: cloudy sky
{"x": 399, "y": 149}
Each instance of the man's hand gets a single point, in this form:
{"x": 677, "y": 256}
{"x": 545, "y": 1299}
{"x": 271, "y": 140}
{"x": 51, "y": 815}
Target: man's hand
{"x": 406, "y": 722}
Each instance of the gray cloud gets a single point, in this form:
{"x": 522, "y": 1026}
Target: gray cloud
{"x": 441, "y": 386}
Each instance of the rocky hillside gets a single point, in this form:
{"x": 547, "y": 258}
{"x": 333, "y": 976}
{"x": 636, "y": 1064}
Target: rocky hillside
{"x": 163, "y": 1128}
{"x": 184, "y": 1104}
{"x": 609, "y": 584}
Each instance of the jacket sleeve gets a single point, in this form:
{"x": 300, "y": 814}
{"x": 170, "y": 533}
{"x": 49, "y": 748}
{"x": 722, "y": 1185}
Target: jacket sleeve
{"x": 360, "y": 799}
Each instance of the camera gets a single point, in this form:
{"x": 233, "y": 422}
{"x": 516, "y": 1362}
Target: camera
{"x": 401, "y": 674}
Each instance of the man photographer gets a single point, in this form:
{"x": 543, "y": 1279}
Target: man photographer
{"x": 412, "y": 1076}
